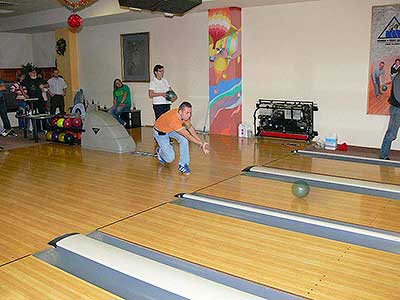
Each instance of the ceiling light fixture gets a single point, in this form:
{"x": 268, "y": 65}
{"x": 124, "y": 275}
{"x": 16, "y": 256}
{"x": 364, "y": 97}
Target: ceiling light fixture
{"x": 135, "y": 9}
{"x": 6, "y": 11}
{"x": 169, "y": 15}
{"x": 6, "y": 3}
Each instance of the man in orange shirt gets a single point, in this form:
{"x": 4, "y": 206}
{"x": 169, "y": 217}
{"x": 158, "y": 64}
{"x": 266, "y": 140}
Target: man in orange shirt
{"x": 176, "y": 124}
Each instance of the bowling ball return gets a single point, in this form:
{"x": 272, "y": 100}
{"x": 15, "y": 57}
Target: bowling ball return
{"x": 101, "y": 131}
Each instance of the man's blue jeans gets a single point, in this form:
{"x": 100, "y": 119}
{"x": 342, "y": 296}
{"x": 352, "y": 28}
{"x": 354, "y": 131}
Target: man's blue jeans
{"x": 167, "y": 151}
{"x": 377, "y": 86}
{"x": 21, "y": 110}
{"x": 391, "y": 132}
{"x": 117, "y": 110}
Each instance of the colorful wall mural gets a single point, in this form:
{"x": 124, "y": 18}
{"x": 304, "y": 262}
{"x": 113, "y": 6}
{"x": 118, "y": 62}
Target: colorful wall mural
{"x": 225, "y": 70}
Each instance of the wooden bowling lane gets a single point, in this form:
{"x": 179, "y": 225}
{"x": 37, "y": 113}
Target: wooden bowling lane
{"x": 326, "y": 203}
{"x": 30, "y": 278}
{"x": 51, "y": 189}
{"x": 281, "y": 259}
{"x": 360, "y": 274}
{"x": 389, "y": 216}
{"x": 333, "y": 167}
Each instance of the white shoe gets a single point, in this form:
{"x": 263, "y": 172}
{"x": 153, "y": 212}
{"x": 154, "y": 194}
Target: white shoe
{"x": 6, "y": 132}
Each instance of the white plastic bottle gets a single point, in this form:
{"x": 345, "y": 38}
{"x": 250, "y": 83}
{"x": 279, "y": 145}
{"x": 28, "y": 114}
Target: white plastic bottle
{"x": 331, "y": 141}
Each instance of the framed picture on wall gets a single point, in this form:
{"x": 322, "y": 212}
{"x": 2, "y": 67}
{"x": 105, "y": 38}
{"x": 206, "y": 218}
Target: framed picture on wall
{"x": 135, "y": 57}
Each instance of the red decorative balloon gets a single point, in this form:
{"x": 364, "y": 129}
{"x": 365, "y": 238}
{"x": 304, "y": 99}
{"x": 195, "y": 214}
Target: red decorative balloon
{"x": 75, "y": 21}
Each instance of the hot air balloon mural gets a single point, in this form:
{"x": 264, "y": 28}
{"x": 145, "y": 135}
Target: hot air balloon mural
{"x": 219, "y": 24}
{"x": 225, "y": 106}
{"x": 220, "y": 65}
{"x": 232, "y": 45}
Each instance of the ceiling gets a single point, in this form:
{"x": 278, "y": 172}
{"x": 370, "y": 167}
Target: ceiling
{"x": 32, "y": 16}
{"x": 22, "y": 7}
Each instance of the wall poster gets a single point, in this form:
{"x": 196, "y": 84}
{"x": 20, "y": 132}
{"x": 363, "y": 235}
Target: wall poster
{"x": 384, "y": 56}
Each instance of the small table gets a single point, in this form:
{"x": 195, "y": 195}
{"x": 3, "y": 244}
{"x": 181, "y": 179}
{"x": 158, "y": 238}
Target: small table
{"x": 32, "y": 103}
{"x": 132, "y": 118}
{"x": 35, "y": 119}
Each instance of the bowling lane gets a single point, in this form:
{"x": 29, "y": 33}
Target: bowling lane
{"x": 326, "y": 203}
{"x": 281, "y": 259}
{"x": 389, "y": 216}
{"x": 361, "y": 274}
{"x": 377, "y": 173}
{"x": 30, "y": 278}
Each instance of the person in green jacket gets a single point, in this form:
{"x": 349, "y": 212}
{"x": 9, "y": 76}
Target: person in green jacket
{"x": 122, "y": 100}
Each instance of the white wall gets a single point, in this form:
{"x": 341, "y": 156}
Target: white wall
{"x": 180, "y": 44}
{"x": 44, "y": 49}
{"x": 317, "y": 51}
{"x": 15, "y": 49}
{"x": 312, "y": 50}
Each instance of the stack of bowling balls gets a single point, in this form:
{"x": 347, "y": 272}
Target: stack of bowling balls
{"x": 65, "y": 130}
{"x": 66, "y": 122}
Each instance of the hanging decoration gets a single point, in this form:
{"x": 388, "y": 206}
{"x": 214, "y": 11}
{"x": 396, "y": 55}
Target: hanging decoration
{"x": 74, "y": 20}
{"x": 75, "y": 5}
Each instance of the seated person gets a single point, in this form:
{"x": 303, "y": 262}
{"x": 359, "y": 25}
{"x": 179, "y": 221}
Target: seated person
{"x": 121, "y": 101}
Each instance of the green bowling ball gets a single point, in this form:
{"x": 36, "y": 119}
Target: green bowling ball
{"x": 300, "y": 188}
{"x": 170, "y": 95}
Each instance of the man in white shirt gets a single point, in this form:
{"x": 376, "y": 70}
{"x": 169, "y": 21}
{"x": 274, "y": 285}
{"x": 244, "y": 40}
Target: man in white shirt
{"x": 57, "y": 88}
{"x": 158, "y": 89}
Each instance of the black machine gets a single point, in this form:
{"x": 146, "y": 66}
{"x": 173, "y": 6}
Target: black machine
{"x": 285, "y": 119}
{"x": 175, "y": 7}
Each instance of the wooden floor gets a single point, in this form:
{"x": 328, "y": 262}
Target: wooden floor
{"x": 308, "y": 266}
{"x": 339, "y": 168}
{"x": 356, "y": 151}
{"x": 30, "y": 278}
{"x": 53, "y": 189}
{"x": 337, "y": 205}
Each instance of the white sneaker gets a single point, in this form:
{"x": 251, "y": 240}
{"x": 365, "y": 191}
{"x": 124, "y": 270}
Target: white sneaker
{"x": 6, "y": 132}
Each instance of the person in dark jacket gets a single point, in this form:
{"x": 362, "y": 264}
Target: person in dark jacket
{"x": 394, "y": 121}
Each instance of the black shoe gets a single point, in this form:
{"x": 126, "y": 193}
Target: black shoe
{"x": 12, "y": 132}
